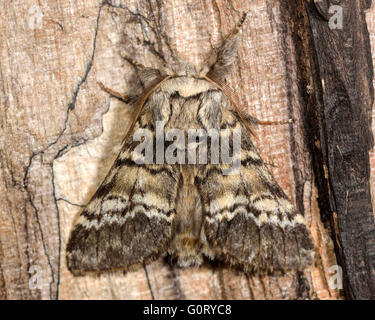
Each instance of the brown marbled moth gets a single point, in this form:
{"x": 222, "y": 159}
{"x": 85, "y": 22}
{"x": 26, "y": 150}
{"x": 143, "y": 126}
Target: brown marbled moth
{"x": 179, "y": 195}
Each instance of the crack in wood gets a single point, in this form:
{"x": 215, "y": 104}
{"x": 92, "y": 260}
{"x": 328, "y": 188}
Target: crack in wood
{"x": 54, "y": 292}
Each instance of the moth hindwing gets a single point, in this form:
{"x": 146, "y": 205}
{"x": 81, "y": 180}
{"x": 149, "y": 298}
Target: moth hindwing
{"x": 190, "y": 183}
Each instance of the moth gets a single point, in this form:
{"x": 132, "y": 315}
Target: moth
{"x": 190, "y": 210}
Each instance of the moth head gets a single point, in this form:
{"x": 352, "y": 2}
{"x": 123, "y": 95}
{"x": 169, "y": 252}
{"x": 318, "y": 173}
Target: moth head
{"x": 216, "y": 66}
{"x": 181, "y": 69}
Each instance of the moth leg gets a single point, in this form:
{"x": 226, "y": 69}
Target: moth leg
{"x": 267, "y": 123}
{"x": 255, "y": 121}
{"x": 113, "y": 93}
{"x": 148, "y": 76}
{"x": 134, "y": 63}
{"x": 146, "y": 71}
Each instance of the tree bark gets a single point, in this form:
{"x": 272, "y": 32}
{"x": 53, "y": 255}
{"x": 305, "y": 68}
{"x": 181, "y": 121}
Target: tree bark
{"x": 61, "y": 132}
{"x": 344, "y": 95}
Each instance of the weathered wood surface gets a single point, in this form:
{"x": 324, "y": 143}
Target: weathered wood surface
{"x": 345, "y": 96}
{"x": 60, "y": 133}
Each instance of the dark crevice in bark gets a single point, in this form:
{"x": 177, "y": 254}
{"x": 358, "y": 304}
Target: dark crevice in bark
{"x": 296, "y": 56}
{"x": 149, "y": 283}
{"x": 338, "y": 130}
{"x": 347, "y": 95}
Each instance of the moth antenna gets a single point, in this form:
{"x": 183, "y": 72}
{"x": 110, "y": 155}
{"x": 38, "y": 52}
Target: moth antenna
{"x": 221, "y": 59}
{"x": 237, "y": 28}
